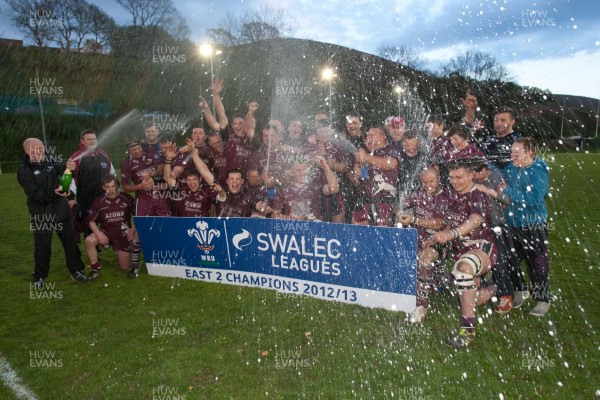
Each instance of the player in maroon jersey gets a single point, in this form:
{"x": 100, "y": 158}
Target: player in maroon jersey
{"x": 269, "y": 159}
{"x": 110, "y": 223}
{"x": 301, "y": 199}
{"x": 425, "y": 210}
{"x": 150, "y": 143}
{"x": 376, "y": 173}
{"x": 137, "y": 172}
{"x": 336, "y": 154}
{"x": 183, "y": 158}
{"x": 473, "y": 244}
{"x": 194, "y": 200}
{"x": 238, "y": 202}
{"x": 462, "y": 148}
{"x": 197, "y": 197}
{"x": 395, "y": 128}
{"x": 217, "y": 158}
{"x": 257, "y": 192}
{"x": 239, "y": 135}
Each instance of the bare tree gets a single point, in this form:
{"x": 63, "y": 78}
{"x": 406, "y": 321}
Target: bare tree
{"x": 252, "y": 26}
{"x": 477, "y": 65}
{"x": 157, "y": 13}
{"x": 102, "y": 26}
{"x": 402, "y": 54}
{"x": 68, "y": 23}
{"x": 35, "y": 18}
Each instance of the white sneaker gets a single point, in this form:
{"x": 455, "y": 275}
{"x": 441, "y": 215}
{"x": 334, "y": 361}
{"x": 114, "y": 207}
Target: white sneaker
{"x": 418, "y": 315}
{"x": 540, "y": 309}
{"x": 519, "y": 298}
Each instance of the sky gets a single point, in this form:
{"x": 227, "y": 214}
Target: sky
{"x": 552, "y": 44}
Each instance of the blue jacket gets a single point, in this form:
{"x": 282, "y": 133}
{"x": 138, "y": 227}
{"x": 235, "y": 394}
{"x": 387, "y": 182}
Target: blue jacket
{"x": 527, "y": 187}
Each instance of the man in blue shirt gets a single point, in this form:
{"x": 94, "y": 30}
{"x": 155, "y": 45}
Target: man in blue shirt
{"x": 527, "y": 179}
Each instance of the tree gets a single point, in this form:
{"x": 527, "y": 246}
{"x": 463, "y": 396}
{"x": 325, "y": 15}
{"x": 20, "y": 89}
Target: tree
{"x": 476, "y": 65}
{"x": 102, "y": 26}
{"x": 156, "y": 13}
{"x": 252, "y": 26}
{"x": 34, "y": 18}
{"x": 402, "y": 54}
{"x": 68, "y": 23}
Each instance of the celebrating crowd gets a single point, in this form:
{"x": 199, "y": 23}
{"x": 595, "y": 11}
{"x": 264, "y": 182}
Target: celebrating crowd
{"x": 475, "y": 199}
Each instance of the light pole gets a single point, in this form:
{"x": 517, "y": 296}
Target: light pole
{"x": 328, "y": 75}
{"x": 206, "y": 50}
{"x": 399, "y": 90}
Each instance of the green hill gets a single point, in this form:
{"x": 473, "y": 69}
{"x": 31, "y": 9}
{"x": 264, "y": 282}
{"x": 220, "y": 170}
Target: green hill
{"x": 283, "y": 75}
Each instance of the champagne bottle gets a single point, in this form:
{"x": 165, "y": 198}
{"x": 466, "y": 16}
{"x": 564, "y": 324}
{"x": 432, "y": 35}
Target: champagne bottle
{"x": 65, "y": 181}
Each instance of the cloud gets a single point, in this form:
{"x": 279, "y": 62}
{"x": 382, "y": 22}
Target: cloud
{"x": 575, "y": 74}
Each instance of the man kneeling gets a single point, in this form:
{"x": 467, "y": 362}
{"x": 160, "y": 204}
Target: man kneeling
{"x": 113, "y": 212}
{"x": 472, "y": 242}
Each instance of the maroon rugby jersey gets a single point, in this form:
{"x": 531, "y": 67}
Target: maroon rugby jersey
{"x": 440, "y": 148}
{"x": 195, "y": 204}
{"x": 113, "y": 215}
{"x": 134, "y": 169}
{"x": 274, "y": 159}
{"x": 256, "y": 193}
{"x": 469, "y": 152}
{"x": 460, "y": 206}
{"x": 237, "y": 205}
{"x": 379, "y": 183}
{"x": 217, "y": 162}
{"x": 237, "y": 151}
{"x": 185, "y": 159}
{"x": 428, "y": 207}
{"x": 301, "y": 201}
{"x": 334, "y": 149}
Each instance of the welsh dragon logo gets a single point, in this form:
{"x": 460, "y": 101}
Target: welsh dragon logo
{"x": 204, "y": 236}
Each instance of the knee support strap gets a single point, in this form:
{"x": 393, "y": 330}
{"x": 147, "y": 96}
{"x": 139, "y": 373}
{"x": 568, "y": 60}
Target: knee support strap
{"x": 462, "y": 280}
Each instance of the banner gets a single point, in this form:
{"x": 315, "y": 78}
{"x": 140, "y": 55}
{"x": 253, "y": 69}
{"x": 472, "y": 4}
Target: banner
{"x": 370, "y": 266}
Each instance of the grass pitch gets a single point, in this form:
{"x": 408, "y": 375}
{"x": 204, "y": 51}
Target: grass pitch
{"x": 163, "y": 338}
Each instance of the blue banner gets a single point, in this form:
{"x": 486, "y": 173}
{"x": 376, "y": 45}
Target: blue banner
{"x": 370, "y": 266}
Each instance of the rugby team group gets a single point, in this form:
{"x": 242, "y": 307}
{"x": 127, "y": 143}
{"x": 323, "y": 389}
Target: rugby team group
{"x": 477, "y": 199}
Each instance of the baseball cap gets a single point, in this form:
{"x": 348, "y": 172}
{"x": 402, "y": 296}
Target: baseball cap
{"x": 394, "y": 120}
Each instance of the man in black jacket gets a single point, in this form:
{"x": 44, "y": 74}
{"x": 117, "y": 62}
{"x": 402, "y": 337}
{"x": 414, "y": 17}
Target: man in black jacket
{"x": 48, "y": 211}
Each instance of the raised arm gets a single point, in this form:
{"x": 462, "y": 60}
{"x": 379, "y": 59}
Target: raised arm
{"x": 210, "y": 118}
{"x": 199, "y": 164}
{"x": 217, "y": 90}
{"x": 250, "y": 120}
{"x": 470, "y": 103}
{"x": 383, "y": 163}
{"x": 169, "y": 153}
{"x": 332, "y": 186}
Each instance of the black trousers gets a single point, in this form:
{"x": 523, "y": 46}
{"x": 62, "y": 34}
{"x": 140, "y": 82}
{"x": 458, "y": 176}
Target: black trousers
{"x": 42, "y": 238}
{"x": 502, "y": 271}
{"x": 529, "y": 243}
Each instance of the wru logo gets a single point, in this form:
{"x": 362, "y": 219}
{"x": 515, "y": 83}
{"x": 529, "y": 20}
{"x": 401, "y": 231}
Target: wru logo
{"x": 204, "y": 236}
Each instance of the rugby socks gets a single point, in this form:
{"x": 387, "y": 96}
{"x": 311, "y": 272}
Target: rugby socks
{"x": 424, "y": 285}
{"x": 468, "y": 324}
{"x": 135, "y": 253}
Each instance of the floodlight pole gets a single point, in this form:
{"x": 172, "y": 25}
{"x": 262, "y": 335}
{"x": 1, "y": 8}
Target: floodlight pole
{"x": 399, "y": 89}
{"x": 37, "y": 79}
{"x": 562, "y": 119}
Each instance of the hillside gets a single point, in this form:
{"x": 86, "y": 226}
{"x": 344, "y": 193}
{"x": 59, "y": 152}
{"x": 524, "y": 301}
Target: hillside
{"x": 283, "y": 75}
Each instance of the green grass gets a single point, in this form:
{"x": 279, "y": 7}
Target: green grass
{"x": 102, "y": 335}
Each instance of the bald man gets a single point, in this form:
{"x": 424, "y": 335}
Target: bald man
{"x": 48, "y": 212}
